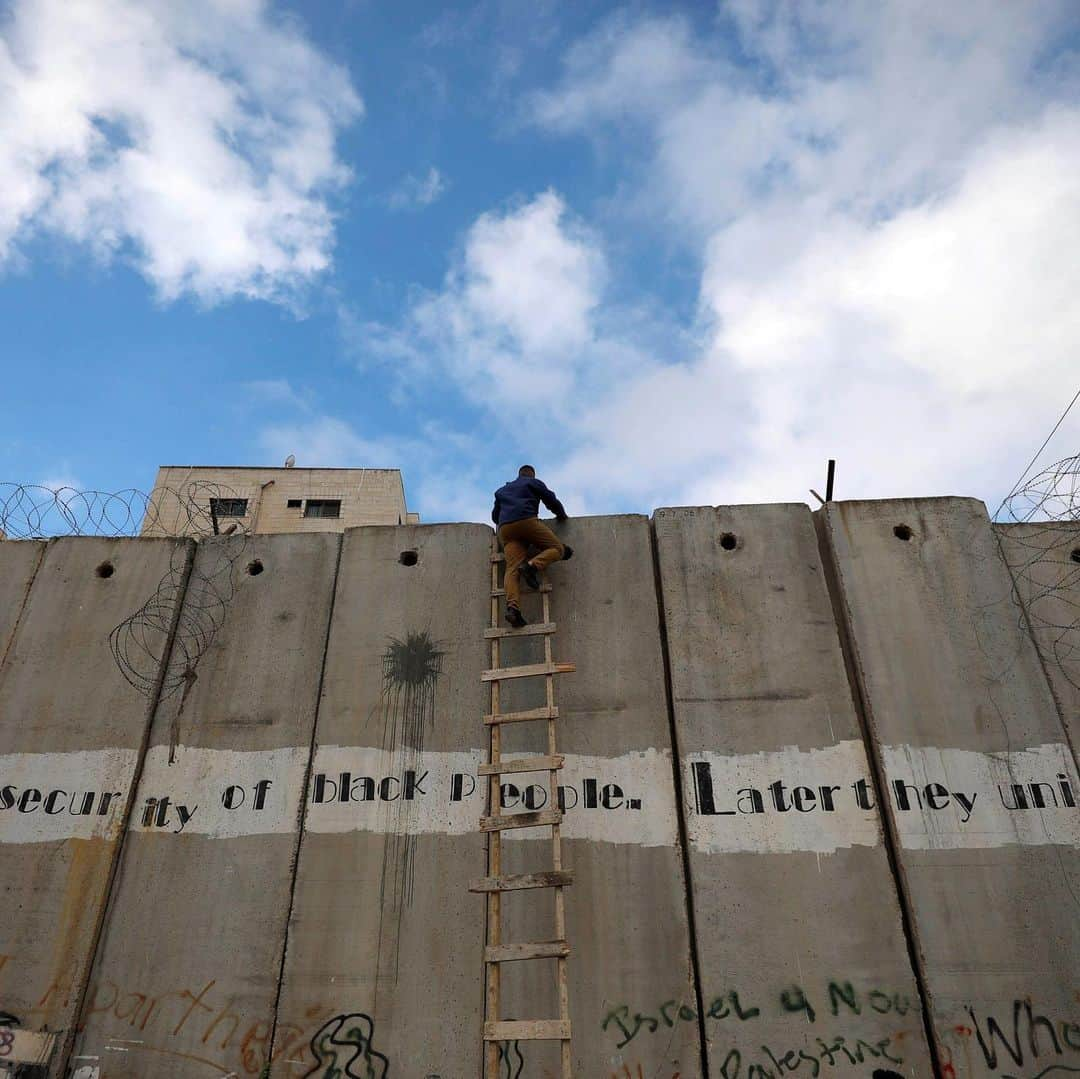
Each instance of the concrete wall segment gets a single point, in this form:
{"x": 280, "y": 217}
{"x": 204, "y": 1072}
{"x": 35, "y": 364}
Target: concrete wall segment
{"x": 186, "y": 974}
{"x": 1044, "y": 560}
{"x": 385, "y": 940}
{"x": 776, "y": 793}
{"x": 968, "y": 741}
{"x": 19, "y": 560}
{"x": 633, "y": 993}
{"x": 71, "y": 733}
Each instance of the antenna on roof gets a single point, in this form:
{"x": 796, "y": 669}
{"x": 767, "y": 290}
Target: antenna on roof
{"x": 290, "y": 460}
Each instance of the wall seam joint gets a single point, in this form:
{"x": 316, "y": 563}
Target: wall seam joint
{"x": 676, "y": 768}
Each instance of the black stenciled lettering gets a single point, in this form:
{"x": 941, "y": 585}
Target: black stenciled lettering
{"x": 413, "y": 784}
{"x": 863, "y": 798}
{"x": 29, "y": 799}
{"x": 589, "y": 788}
{"x": 704, "y": 801}
{"x": 233, "y": 797}
{"x": 900, "y": 791}
{"x": 1019, "y": 796}
{"x": 1066, "y": 790}
{"x": 611, "y": 797}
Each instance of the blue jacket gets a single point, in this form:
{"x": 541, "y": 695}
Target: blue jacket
{"x": 521, "y": 498}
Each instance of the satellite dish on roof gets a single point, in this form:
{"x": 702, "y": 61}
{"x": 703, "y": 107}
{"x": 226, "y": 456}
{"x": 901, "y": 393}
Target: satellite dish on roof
{"x": 290, "y": 460}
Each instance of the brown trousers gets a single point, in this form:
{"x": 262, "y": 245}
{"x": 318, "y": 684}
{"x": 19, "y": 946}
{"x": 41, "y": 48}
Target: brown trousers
{"x": 516, "y": 539}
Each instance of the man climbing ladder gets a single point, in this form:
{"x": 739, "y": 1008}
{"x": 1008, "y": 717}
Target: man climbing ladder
{"x": 515, "y": 515}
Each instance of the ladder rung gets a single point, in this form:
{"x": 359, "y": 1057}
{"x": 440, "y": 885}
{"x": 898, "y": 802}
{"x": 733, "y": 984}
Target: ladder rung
{"x": 513, "y": 882}
{"x": 525, "y": 631}
{"x": 530, "y": 670}
{"x": 521, "y": 717}
{"x": 544, "y": 587}
{"x": 520, "y": 820}
{"x": 523, "y": 1030}
{"x": 511, "y": 953}
{"x": 523, "y": 764}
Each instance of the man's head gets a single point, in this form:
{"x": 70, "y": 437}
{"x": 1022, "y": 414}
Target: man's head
{"x": 526, "y": 470}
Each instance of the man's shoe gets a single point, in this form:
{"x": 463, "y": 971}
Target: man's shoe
{"x": 567, "y": 552}
{"x": 527, "y": 572}
{"x": 515, "y": 617}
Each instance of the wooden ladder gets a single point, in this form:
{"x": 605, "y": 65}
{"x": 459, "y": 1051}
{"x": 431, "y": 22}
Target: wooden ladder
{"x": 493, "y": 885}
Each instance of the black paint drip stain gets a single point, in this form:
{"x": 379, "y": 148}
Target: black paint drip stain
{"x": 342, "y": 1048}
{"x": 412, "y": 668}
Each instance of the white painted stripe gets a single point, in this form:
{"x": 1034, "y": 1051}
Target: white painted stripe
{"x": 220, "y": 792}
{"x": 948, "y": 799}
{"x": 47, "y": 797}
{"x": 626, "y": 799}
{"x": 818, "y": 800}
{"x": 783, "y": 801}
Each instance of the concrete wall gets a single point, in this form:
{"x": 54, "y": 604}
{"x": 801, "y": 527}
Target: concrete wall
{"x": 630, "y": 967}
{"x": 71, "y": 736}
{"x": 187, "y": 970}
{"x": 733, "y": 818}
{"x": 1044, "y": 560}
{"x": 385, "y": 940}
{"x": 969, "y": 745}
{"x": 18, "y": 564}
{"x": 784, "y": 851}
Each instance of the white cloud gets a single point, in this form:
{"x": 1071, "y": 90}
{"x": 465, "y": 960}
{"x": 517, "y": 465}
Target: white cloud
{"x": 327, "y": 442}
{"x": 278, "y": 392}
{"x": 886, "y": 209}
{"x": 62, "y": 479}
{"x": 195, "y": 139}
{"x": 518, "y": 299}
{"x": 416, "y": 192}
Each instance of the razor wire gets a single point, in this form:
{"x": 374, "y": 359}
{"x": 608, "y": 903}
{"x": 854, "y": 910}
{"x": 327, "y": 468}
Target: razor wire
{"x": 138, "y": 644}
{"x": 1042, "y": 548}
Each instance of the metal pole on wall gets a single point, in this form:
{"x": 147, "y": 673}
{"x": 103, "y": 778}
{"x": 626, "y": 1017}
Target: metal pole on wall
{"x": 829, "y": 480}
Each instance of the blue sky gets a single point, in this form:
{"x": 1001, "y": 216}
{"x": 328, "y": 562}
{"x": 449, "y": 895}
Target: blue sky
{"x": 671, "y": 254}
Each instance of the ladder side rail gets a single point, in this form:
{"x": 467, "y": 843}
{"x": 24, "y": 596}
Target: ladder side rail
{"x": 556, "y": 851}
{"x": 494, "y": 858}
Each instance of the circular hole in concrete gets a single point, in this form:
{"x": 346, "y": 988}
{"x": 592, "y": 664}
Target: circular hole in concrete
{"x": 903, "y": 532}
{"x": 1075, "y": 556}
{"x": 408, "y": 558}
{"x": 255, "y": 568}
{"x": 106, "y": 569}
{"x": 728, "y": 541}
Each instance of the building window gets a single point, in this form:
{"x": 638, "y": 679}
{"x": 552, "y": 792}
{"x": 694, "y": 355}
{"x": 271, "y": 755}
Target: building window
{"x": 294, "y": 503}
{"x": 228, "y": 507}
{"x": 323, "y": 507}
